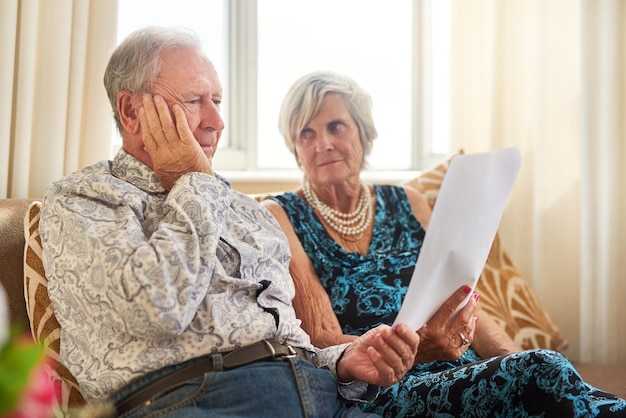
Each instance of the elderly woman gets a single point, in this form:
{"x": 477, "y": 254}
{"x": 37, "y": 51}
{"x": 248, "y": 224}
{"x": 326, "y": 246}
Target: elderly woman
{"x": 354, "y": 246}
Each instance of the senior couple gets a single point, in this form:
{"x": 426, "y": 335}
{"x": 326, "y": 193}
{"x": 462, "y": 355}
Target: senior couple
{"x": 179, "y": 296}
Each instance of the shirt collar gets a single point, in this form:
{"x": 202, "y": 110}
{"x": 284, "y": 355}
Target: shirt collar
{"x": 131, "y": 170}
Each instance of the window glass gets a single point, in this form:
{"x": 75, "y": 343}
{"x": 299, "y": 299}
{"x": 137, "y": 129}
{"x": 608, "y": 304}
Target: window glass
{"x": 440, "y": 17}
{"x": 368, "y": 40}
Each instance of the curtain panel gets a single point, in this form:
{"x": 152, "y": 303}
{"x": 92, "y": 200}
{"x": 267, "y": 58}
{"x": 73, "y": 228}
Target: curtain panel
{"x": 54, "y": 113}
{"x": 550, "y": 77}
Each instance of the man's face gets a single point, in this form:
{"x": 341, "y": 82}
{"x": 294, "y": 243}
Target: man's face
{"x": 190, "y": 79}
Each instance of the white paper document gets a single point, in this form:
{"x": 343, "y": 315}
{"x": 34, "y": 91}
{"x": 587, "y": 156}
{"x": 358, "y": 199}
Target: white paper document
{"x": 462, "y": 227}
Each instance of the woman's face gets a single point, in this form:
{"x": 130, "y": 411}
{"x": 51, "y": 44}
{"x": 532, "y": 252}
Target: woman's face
{"x": 329, "y": 148}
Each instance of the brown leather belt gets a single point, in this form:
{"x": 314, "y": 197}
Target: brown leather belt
{"x": 260, "y": 351}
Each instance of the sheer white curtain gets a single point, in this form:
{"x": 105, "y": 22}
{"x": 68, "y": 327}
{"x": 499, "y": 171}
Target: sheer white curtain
{"x": 550, "y": 77}
{"x": 54, "y": 114}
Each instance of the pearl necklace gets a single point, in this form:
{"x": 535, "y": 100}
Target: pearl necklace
{"x": 351, "y": 224}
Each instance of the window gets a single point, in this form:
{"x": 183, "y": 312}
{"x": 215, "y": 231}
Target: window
{"x": 368, "y": 40}
{"x": 261, "y": 47}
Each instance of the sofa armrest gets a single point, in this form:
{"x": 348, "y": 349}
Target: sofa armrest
{"x": 609, "y": 377}
{"x": 12, "y": 212}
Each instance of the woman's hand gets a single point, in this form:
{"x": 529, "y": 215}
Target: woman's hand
{"x": 381, "y": 356}
{"x": 448, "y": 334}
{"x": 172, "y": 147}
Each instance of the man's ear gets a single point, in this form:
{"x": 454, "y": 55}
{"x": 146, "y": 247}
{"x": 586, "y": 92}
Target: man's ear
{"x": 128, "y": 111}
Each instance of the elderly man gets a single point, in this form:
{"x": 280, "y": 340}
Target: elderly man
{"x": 172, "y": 289}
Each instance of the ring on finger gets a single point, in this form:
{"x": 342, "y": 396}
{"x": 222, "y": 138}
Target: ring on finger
{"x": 464, "y": 341}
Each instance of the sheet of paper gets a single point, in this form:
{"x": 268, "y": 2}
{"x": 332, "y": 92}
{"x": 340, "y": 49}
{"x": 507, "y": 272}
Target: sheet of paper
{"x": 462, "y": 227}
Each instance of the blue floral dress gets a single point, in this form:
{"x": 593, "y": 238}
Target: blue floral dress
{"x": 367, "y": 290}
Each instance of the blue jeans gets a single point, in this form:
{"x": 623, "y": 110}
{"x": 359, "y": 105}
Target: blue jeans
{"x": 287, "y": 388}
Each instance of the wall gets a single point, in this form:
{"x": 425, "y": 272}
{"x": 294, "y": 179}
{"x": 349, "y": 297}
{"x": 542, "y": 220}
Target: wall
{"x": 253, "y": 187}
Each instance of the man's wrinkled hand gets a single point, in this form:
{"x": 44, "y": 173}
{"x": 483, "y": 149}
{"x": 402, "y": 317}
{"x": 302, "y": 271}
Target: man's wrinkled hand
{"x": 382, "y": 356}
{"x": 171, "y": 145}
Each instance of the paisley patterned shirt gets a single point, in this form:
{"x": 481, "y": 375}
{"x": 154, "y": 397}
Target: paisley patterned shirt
{"x": 141, "y": 278}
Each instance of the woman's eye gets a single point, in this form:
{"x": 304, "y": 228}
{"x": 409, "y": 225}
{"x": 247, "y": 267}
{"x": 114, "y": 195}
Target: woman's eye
{"x": 334, "y": 126}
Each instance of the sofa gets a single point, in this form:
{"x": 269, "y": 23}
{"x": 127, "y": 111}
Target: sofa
{"x": 505, "y": 294}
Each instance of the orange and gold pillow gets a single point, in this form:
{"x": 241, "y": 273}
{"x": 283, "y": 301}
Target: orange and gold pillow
{"x": 43, "y": 323}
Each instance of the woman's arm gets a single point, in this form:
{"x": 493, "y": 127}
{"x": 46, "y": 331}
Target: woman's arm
{"x": 490, "y": 339}
{"x": 421, "y": 210}
{"x": 311, "y": 301}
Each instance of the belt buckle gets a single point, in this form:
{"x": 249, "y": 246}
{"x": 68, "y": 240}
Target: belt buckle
{"x": 292, "y": 353}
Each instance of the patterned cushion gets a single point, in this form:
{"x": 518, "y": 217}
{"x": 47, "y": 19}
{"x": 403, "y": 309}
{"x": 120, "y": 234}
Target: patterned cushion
{"x": 504, "y": 293}
{"x": 43, "y": 323}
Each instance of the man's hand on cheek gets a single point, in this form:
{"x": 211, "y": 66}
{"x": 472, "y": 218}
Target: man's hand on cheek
{"x": 171, "y": 145}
